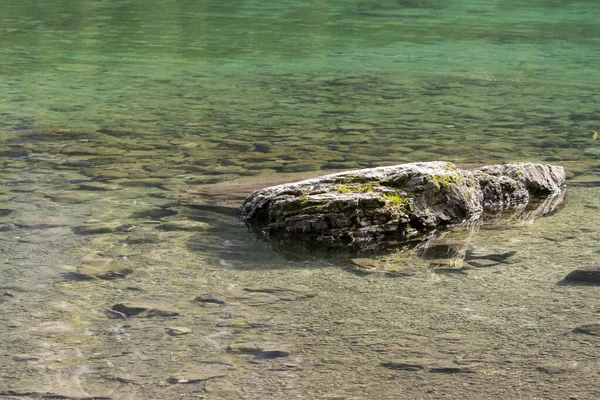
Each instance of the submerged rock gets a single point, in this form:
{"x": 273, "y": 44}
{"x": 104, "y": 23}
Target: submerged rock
{"x": 365, "y": 207}
{"x": 590, "y": 329}
{"x": 283, "y": 293}
{"x": 178, "y": 331}
{"x": 261, "y": 352}
{"x": 423, "y": 365}
{"x": 198, "y": 374}
{"x": 133, "y": 309}
{"x": 402, "y": 366}
{"x": 587, "y": 275}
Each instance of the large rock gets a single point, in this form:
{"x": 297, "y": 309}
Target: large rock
{"x": 365, "y": 207}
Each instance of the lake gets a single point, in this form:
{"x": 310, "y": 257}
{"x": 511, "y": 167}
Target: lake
{"x": 130, "y": 133}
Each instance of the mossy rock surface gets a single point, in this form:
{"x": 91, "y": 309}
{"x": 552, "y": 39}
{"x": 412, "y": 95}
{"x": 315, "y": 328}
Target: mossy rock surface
{"x": 365, "y": 207}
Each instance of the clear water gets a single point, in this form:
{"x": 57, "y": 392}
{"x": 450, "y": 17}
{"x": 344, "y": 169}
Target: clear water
{"x": 119, "y": 116}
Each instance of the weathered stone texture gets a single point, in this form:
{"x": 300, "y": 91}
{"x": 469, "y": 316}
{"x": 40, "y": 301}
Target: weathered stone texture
{"x": 362, "y": 207}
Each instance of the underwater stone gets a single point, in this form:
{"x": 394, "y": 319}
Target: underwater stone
{"x": 590, "y": 329}
{"x": 178, "y": 331}
{"x": 590, "y": 275}
{"x": 134, "y": 309}
{"x": 402, "y": 366}
{"x": 363, "y": 208}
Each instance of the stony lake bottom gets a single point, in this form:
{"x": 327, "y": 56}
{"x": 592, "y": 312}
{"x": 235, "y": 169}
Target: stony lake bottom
{"x": 131, "y": 133}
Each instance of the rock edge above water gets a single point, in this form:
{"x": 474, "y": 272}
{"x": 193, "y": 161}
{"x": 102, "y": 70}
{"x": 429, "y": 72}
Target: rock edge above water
{"x": 364, "y": 207}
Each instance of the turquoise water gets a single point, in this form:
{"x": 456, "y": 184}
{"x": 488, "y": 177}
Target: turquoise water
{"x": 119, "y": 118}
{"x": 407, "y": 69}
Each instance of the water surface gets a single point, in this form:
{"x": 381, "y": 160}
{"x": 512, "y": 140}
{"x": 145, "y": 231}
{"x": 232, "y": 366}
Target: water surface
{"x": 129, "y": 132}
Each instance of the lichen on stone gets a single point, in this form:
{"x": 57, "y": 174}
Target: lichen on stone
{"x": 365, "y": 207}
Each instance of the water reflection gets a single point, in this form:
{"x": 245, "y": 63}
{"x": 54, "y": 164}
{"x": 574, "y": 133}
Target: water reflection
{"x": 447, "y": 248}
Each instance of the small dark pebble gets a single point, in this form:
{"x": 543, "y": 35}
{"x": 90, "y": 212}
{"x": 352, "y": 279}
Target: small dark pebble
{"x": 122, "y": 380}
{"x": 77, "y": 277}
{"x": 112, "y": 275}
{"x": 243, "y": 349}
{"x": 134, "y": 289}
{"x": 448, "y": 271}
{"x": 590, "y": 275}
{"x": 551, "y": 369}
{"x": 591, "y": 329}
{"x": 399, "y": 274}
{"x": 128, "y": 311}
{"x": 396, "y": 366}
{"x": 269, "y": 354}
{"x": 133, "y": 311}
{"x": 451, "y": 370}
{"x": 211, "y": 300}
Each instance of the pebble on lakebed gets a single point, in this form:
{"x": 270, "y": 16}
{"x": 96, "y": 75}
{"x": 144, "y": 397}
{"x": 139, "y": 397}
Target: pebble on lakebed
{"x": 142, "y": 310}
{"x": 590, "y": 329}
{"x": 586, "y": 275}
{"x": 178, "y": 331}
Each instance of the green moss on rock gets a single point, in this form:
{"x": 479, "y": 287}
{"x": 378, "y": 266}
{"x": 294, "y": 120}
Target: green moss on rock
{"x": 356, "y": 188}
{"x": 396, "y": 199}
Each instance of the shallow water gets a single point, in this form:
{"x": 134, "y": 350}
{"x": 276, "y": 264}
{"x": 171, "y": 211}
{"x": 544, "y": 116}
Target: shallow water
{"x": 130, "y": 133}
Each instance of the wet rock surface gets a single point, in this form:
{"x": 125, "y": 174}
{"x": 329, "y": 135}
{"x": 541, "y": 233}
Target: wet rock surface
{"x": 590, "y": 329}
{"x": 365, "y": 208}
{"x": 142, "y": 310}
{"x": 178, "y": 331}
{"x": 587, "y": 275}
{"x": 402, "y": 366}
